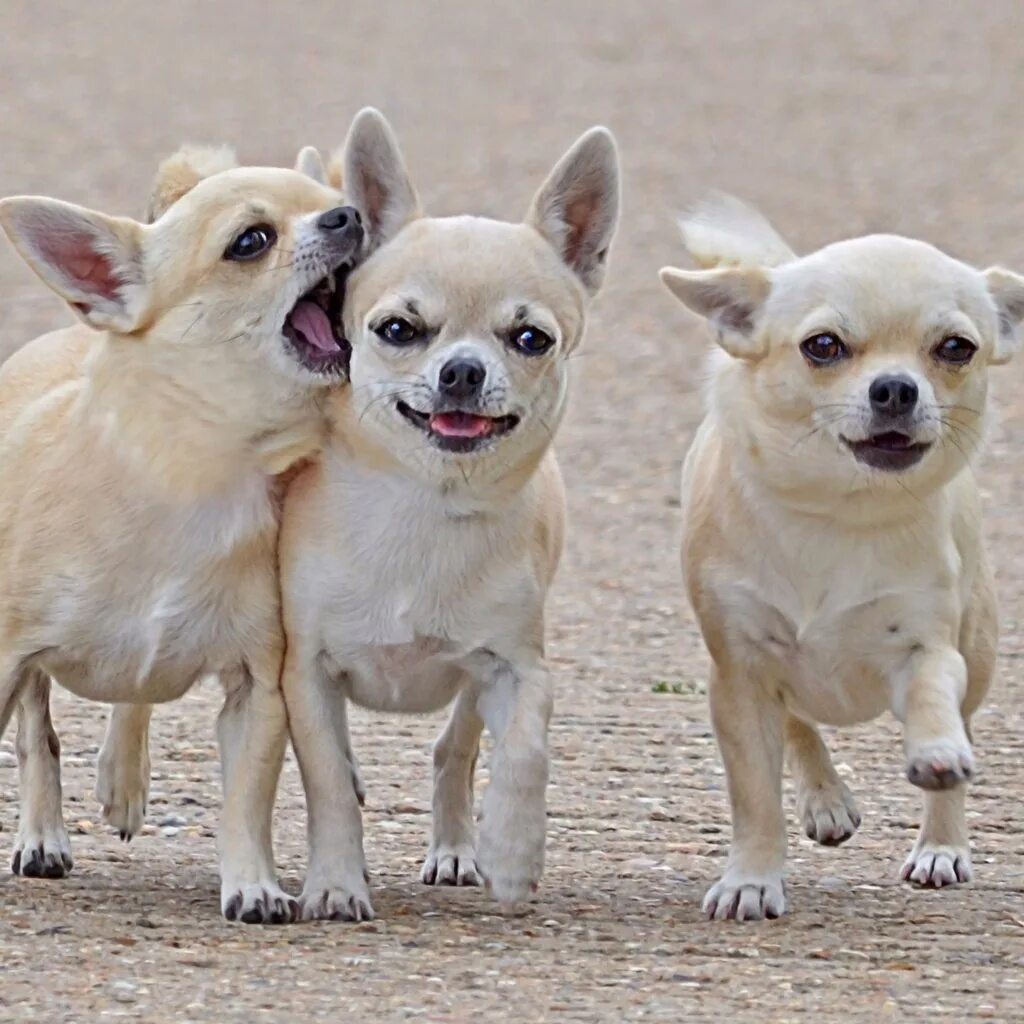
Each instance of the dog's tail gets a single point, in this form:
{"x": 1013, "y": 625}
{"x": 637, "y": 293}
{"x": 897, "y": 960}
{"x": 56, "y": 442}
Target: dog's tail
{"x": 722, "y": 231}
{"x": 334, "y": 169}
{"x": 182, "y": 171}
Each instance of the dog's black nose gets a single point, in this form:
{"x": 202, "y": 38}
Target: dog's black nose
{"x": 461, "y": 379}
{"x": 892, "y": 396}
{"x": 340, "y": 218}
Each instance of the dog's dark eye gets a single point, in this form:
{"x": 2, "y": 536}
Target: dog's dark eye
{"x": 824, "y": 349}
{"x": 956, "y": 351}
{"x": 531, "y": 340}
{"x": 396, "y": 331}
{"x": 251, "y": 243}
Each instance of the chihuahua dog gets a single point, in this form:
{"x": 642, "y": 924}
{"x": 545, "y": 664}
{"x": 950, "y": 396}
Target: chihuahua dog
{"x": 138, "y": 453}
{"x": 417, "y": 552}
{"x": 832, "y": 536}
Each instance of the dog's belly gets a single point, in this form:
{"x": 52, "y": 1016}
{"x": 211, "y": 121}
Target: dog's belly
{"x": 416, "y": 677}
{"x": 147, "y": 647}
{"x": 123, "y": 680}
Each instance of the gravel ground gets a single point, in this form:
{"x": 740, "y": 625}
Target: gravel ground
{"x": 837, "y": 119}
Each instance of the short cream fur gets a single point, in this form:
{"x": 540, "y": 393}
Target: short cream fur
{"x": 829, "y": 590}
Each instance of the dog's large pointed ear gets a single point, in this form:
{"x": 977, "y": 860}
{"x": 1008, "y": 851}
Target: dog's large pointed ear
{"x": 375, "y": 180}
{"x": 182, "y": 171}
{"x": 1007, "y": 291}
{"x": 577, "y": 208}
{"x": 310, "y": 163}
{"x": 729, "y": 299}
{"x": 92, "y": 261}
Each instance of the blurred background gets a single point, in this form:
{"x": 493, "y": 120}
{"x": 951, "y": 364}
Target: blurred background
{"x": 835, "y": 119}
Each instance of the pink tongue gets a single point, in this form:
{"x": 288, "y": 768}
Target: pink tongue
{"x": 312, "y": 321}
{"x": 460, "y": 424}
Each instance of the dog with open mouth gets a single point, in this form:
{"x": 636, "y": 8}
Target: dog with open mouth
{"x": 139, "y": 453}
{"x": 417, "y": 552}
{"x": 832, "y": 534}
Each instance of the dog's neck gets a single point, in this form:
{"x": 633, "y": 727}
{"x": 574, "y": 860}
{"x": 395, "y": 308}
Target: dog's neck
{"x": 182, "y": 420}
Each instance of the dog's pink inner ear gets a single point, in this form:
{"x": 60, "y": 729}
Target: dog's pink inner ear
{"x": 579, "y": 218}
{"x": 90, "y": 270}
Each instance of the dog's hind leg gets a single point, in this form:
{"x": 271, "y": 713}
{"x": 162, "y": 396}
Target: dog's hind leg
{"x": 42, "y": 848}
{"x": 451, "y": 859}
{"x": 824, "y": 804}
{"x": 122, "y": 777}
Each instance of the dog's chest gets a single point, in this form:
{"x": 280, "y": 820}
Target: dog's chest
{"x": 180, "y": 599}
{"x": 833, "y": 628}
{"x": 414, "y": 591}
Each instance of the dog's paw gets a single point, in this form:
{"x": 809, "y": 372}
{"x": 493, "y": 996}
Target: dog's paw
{"x": 737, "y": 897}
{"x": 337, "y": 903}
{"x": 43, "y": 855}
{"x": 941, "y": 764}
{"x": 511, "y": 859}
{"x": 829, "y": 815}
{"x": 451, "y": 864}
{"x": 259, "y": 904}
{"x": 122, "y": 789}
{"x": 932, "y": 866}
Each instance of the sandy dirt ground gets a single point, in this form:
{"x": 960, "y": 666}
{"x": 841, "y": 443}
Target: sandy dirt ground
{"x": 836, "y": 119}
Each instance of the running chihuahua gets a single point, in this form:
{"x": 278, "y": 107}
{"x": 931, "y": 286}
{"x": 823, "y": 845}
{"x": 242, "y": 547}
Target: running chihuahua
{"x": 832, "y": 532}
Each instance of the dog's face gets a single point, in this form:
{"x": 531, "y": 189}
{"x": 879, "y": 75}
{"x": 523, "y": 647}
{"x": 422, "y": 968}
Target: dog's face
{"x": 247, "y": 264}
{"x": 862, "y": 362}
{"x": 462, "y": 327}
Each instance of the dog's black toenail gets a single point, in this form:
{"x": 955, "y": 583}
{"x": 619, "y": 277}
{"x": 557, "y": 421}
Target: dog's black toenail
{"x": 16, "y": 863}
{"x": 234, "y": 905}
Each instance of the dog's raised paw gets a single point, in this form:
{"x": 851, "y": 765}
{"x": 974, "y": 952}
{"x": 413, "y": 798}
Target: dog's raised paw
{"x": 934, "y": 867}
{"x": 940, "y": 765}
{"x": 260, "y": 904}
{"x": 122, "y": 788}
{"x": 829, "y": 815}
{"x": 746, "y": 898}
{"x": 337, "y": 903}
{"x": 447, "y": 864}
{"x": 43, "y": 856}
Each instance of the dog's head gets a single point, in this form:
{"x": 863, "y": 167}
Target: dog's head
{"x": 860, "y": 363}
{"x": 246, "y": 265}
{"x": 462, "y": 327}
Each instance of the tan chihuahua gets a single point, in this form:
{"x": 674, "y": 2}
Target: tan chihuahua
{"x": 417, "y": 554}
{"x": 832, "y": 533}
{"x": 138, "y": 508}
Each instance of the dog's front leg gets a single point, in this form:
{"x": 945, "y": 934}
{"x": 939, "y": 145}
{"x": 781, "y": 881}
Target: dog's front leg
{"x": 123, "y": 768}
{"x": 929, "y": 701}
{"x": 42, "y": 849}
{"x": 748, "y": 723}
{"x": 336, "y": 887}
{"x": 252, "y": 730}
{"x": 515, "y": 703}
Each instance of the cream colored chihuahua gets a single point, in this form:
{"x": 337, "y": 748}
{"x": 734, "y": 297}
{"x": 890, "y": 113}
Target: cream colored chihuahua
{"x": 138, "y": 507}
{"x": 832, "y": 535}
{"x": 417, "y": 554}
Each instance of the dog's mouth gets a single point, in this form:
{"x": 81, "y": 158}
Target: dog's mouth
{"x": 891, "y": 451}
{"x": 458, "y": 430}
{"x": 312, "y": 329}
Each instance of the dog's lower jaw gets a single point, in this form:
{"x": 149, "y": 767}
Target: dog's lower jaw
{"x": 888, "y": 453}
